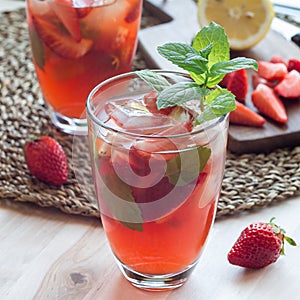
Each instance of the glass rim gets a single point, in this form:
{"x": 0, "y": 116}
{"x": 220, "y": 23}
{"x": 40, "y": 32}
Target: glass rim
{"x": 92, "y": 116}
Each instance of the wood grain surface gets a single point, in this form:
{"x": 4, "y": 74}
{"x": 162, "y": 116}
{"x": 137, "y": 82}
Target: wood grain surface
{"x": 242, "y": 139}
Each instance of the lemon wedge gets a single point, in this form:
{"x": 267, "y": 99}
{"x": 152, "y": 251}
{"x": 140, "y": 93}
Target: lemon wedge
{"x": 246, "y": 22}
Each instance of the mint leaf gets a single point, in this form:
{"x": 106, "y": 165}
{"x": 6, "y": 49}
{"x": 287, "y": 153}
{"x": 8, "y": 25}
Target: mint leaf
{"x": 155, "y": 81}
{"x": 232, "y": 65}
{"x": 178, "y": 94}
{"x": 207, "y": 61}
{"x": 219, "y": 102}
{"x": 37, "y": 48}
{"x": 118, "y": 197}
{"x": 184, "y": 56}
{"x": 186, "y": 167}
{"x": 206, "y": 51}
{"x": 214, "y": 35}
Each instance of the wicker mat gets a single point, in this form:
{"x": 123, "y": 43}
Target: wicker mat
{"x": 250, "y": 181}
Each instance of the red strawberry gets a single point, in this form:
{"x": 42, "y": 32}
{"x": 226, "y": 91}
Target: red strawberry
{"x": 238, "y": 84}
{"x": 46, "y": 160}
{"x": 259, "y": 245}
{"x": 84, "y": 11}
{"x": 277, "y": 59}
{"x": 268, "y": 103}
{"x": 294, "y": 64}
{"x": 256, "y": 80}
{"x": 150, "y": 102}
{"x": 134, "y": 13}
{"x": 59, "y": 42}
{"x": 226, "y": 79}
{"x": 67, "y": 14}
{"x": 271, "y": 71}
{"x": 289, "y": 87}
{"x": 243, "y": 115}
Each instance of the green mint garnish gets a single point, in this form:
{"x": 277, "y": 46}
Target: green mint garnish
{"x": 207, "y": 61}
{"x": 37, "y": 48}
{"x": 120, "y": 201}
{"x": 183, "y": 169}
{"x": 157, "y": 82}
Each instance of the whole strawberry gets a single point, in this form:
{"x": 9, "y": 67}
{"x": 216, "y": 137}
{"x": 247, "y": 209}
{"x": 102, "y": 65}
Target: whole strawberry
{"x": 46, "y": 160}
{"x": 259, "y": 245}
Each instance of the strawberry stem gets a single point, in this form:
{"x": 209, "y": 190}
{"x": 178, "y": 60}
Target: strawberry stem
{"x": 280, "y": 231}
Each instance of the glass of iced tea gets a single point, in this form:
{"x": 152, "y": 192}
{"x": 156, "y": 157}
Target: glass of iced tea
{"x": 157, "y": 177}
{"x": 75, "y": 45}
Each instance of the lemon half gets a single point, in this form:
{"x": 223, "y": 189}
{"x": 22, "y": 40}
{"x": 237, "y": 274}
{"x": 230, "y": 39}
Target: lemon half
{"x": 246, "y": 22}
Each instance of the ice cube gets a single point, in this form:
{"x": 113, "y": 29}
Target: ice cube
{"x": 88, "y": 3}
{"x": 39, "y": 8}
{"x": 132, "y": 115}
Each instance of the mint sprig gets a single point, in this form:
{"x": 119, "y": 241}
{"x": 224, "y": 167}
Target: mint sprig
{"x": 207, "y": 62}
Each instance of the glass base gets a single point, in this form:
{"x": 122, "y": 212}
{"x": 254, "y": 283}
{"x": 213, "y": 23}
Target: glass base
{"x": 69, "y": 125}
{"x": 156, "y": 282}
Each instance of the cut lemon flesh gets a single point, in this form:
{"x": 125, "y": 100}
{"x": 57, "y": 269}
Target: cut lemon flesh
{"x": 246, "y": 22}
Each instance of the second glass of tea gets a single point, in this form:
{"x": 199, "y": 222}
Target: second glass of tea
{"x": 75, "y": 45}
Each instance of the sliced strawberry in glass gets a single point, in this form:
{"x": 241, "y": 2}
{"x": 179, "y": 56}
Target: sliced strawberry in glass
{"x": 134, "y": 13}
{"x": 67, "y": 14}
{"x": 60, "y": 43}
{"x": 150, "y": 102}
{"x": 83, "y": 7}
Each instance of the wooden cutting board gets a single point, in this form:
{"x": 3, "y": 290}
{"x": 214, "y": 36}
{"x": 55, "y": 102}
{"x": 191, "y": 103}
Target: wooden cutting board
{"x": 179, "y": 24}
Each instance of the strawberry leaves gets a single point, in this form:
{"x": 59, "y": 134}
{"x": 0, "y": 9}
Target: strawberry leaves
{"x": 280, "y": 231}
{"x": 207, "y": 61}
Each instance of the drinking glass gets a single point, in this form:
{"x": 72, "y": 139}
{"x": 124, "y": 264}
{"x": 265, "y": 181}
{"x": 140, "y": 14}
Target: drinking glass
{"x": 75, "y": 45}
{"x": 157, "y": 179}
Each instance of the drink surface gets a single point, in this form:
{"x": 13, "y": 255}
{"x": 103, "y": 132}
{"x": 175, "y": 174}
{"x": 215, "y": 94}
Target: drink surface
{"x": 157, "y": 195}
{"x": 75, "y": 48}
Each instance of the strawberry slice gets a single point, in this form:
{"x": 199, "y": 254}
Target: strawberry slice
{"x": 134, "y": 13}
{"x": 60, "y": 43}
{"x": 294, "y": 64}
{"x": 150, "y": 102}
{"x": 268, "y": 103}
{"x": 256, "y": 80}
{"x": 289, "y": 87}
{"x": 67, "y": 14}
{"x": 84, "y": 11}
{"x": 271, "y": 71}
{"x": 238, "y": 84}
{"x": 243, "y": 115}
{"x": 277, "y": 59}
{"x": 225, "y": 80}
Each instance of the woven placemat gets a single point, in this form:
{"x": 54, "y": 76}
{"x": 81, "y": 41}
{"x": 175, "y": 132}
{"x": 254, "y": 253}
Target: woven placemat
{"x": 250, "y": 180}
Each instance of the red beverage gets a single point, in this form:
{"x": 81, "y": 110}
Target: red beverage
{"x": 157, "y": 181}
{"x": 77, "y": 44}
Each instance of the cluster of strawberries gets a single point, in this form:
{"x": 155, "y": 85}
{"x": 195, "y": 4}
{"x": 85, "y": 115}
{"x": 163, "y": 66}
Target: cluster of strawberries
{"x": 275, "y": 82}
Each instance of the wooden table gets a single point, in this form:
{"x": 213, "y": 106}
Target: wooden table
{"x": 45, "y": 254}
